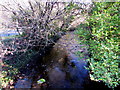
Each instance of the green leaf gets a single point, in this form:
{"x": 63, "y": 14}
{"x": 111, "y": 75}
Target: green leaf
{"x": 40, "y": 81}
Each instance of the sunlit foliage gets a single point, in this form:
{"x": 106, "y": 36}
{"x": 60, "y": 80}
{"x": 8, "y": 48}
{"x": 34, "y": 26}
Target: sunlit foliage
{"x": 102, "y": 34}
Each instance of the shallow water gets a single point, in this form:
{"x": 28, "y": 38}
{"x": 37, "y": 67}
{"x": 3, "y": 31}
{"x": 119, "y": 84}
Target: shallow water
{"x": 8, "y": 34}
{"x": 64, "y": 68}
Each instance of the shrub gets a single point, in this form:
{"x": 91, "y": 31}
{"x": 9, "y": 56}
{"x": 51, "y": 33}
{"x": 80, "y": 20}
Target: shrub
{"x": 102, "y": 34}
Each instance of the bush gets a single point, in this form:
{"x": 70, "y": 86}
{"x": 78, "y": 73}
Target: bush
{"x": 39, "y": 24}
{"x": 102, "y": 34}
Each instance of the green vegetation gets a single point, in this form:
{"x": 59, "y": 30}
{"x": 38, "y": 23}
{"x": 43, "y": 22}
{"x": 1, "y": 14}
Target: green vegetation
{"x": 21, "y": 60}
{"x": 7, "y": 75}
{"x": 40, "y": 81}
{"x": 102, "y": 35}
{"x": 12, "y": 66}
{"x": 40, "y": 27}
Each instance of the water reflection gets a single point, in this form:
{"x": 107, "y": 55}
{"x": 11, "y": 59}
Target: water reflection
{"x": 66, "y": 70}
{"x": 73, "y": 75}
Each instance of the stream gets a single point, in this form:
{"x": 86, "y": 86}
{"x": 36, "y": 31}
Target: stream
{"x": 62, "y": 67}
